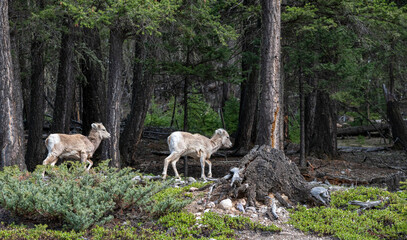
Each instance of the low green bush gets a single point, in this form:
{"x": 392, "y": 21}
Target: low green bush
{"x": 79, "y": 199}
{"x": 211, "y": 225}
{"x": 345, "y": 221}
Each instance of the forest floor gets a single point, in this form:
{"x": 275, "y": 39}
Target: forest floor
{"x": 357, "y": 165}
{"x": 362, "y": 161}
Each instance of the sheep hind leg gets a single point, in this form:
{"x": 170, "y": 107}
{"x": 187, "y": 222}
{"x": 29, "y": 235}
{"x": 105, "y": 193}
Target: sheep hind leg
{"x": 202, "y": 160}
{"x": 90, "y": 164}
{"x": 167, "y": 160}
{"x": 51, "y": 159}
{"x": 210, "y": 168}
{"x": 174, "y": 167}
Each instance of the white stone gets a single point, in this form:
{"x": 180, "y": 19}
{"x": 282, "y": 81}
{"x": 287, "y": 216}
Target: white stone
{"x": 211, "y": 204}
{"x": 193, "y": 189}
{"x": 191, "y": 180}
{"x": 226, "y": 204}
{"x": 251, "y": 209}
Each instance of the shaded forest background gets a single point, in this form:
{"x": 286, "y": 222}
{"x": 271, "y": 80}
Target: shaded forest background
{"x": 195, "y": 66}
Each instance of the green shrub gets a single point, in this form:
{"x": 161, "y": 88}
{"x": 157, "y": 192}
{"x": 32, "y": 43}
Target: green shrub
{"x": 79, "y": 199}
{"x": 211, "y": 225}
{"x": 387, "y": 221}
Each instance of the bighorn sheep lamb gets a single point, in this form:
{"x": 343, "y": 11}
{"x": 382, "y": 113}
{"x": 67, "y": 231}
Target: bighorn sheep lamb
{"x": 195, "y": 146}
{"x": 75, "y": 146}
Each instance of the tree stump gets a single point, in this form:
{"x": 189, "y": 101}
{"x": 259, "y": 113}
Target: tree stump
{"x": 267, "y": 170}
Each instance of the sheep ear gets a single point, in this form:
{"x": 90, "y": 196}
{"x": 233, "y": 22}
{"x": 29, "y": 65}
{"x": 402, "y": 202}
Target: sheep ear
{"x": 219, "y": 131}
{"x": 94, "y": 126}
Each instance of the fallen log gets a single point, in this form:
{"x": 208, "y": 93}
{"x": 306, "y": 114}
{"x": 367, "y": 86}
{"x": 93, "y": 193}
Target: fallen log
{"x": 363, "y": 130}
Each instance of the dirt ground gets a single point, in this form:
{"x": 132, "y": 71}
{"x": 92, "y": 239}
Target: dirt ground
{"x": 357, "y": 165}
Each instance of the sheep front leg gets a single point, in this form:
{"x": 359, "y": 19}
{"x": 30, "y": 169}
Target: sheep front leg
{"x": 210, "y": 167}
{"x": 84, "y": 159}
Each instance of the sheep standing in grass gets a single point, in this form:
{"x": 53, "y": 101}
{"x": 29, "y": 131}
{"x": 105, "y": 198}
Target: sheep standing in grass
{"x": 195, "y": 146}
{"x": 75, "y": 146}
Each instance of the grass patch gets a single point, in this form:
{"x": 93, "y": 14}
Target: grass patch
{"x": 387, "y": 221}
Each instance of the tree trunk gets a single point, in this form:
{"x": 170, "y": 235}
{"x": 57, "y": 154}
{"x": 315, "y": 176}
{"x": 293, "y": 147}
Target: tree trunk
{"x": 94, "y": 90}
{"x": 35, "y": 144}
{"x": 65, "y": 84}
{"x": 249, "y": 88}
{"x": 142, "y": 92}
{"x": 320, "y": 122}
{"x": 110, "y": 148}
{"x": 269, "y": 125}
{"x": 11, "y": 124}
{"x": 398, "y": 126}
{"x": 302, "y": 120}
{"x": 268, "y": 170}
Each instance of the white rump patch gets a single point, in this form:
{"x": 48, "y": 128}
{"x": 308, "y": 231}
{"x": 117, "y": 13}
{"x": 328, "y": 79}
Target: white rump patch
{"x": 52, "y": 140}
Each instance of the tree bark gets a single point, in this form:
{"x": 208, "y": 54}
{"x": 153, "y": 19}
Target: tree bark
{"x": 320, "y": 122}
{"x": 65, "y": 84}
{"x": 249, "y": 88}
{"x": 110, "y": 148}
{"x": 142, "y": 92}
{"x": 398, "y": 126}
{"x": 269, "y": 125}
{"x": 302, "y": 120}
{"x": 94, "y": 90}
{"x": 11, "y": 124}
{"x": 35, "y": 143}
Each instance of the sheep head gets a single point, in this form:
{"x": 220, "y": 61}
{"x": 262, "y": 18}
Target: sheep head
{"x": 101, "y": 130}
{"x": 225, "y": 137}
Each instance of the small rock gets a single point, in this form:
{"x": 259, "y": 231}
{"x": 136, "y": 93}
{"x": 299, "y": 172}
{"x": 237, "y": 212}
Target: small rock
{"x": 211, "y": 204}
{"x": 240, "y": 207}
{"x": 254, "y": 216}
{"x": 207, "y": 210}
{"x": 226, "y": 204}
{"x": 251, "y": 209}
{"x": 191, "y": 180}
{"x": 242, "y": 201}
{"x": 263, "y": 209}
{"x": 136, "y": 178}
{"x": 193, "y": 189}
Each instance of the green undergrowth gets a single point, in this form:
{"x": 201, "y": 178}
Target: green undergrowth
{"x": 83, "y": 204}
{"x": 180, "y": 225}
{"x": 345, "y": 221}
{"x": 77, "y": 199}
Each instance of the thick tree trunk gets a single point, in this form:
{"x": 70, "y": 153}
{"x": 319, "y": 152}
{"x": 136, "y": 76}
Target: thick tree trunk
{"x": 142, "y": 92}
{"x": 249, "y": 88}
{"x": 398, "y": 126}
{"x": 65, "y": 84}
{"x": 110, "y": 148}
{"x": 35, "y": 144}
{"x": 94, "y": 90}
{"x": 320, "y": 122}
{"x": 11, "y": 124}
{"x": 269, "y": 125}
